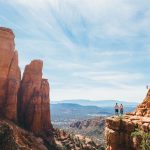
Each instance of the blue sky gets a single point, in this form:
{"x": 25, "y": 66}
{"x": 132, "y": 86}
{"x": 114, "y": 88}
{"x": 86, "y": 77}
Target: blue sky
{"x": 92, "y": 49}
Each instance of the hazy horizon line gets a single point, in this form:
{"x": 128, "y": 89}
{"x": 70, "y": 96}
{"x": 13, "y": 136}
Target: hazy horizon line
{"x": 93, "y": 100}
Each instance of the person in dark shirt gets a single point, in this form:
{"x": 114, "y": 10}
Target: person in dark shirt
{"x": 121, "y": 109}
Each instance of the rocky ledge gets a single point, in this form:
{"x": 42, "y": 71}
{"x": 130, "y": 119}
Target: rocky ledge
{"x": 118, "y": 130}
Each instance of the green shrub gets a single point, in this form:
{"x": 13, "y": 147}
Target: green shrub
{"x": 145, "y": 137}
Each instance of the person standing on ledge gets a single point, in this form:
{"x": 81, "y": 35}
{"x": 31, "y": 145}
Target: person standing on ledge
{"x": 121, "y": 109}
{"x": 116, "y": 109}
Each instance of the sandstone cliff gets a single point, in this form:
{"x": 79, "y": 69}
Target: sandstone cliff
{"x": 118, "y": 130}
{"x": 34, "y": 102}
{"x": 9, "y": 75}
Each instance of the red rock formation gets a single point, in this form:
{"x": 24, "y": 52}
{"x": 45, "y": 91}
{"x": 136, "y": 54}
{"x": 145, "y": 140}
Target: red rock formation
{"x": 34, "y": 103}
{"x": 9, "y": 75}
{"x": 118, "y": 130}
{"x": 144, "y": 108}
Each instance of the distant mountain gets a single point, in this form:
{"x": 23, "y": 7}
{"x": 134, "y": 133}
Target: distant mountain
{"x": 99, "y": 103}
{"x": 65, "y": 114}
{"x": 68, "y": 111}
{"x": 75, "y": 111}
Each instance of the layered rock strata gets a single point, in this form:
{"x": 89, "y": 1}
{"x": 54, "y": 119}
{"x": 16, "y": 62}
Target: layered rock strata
{"x": 9, "y": 75}
{"x": 118, "y": 130}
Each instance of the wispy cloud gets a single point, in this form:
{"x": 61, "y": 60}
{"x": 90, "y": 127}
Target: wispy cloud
{"x": 84, "y": 43}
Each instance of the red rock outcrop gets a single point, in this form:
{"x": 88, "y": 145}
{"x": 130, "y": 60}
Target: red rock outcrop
{"x": 144, "y": 108}
{"x": 9, "y": 75}
{"x": 34, "y": 102}
{"x": 118, "y": 130}
{"x": 29, "y": 97}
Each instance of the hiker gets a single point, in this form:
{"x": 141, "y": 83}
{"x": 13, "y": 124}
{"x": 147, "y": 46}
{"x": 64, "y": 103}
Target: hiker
{"x": 121, "y": 109}
{"x": 116, "y": 109}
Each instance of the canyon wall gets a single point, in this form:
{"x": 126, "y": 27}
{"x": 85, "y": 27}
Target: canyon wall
{"x": 118, "y": 130}
{"x": 27, "y": 100}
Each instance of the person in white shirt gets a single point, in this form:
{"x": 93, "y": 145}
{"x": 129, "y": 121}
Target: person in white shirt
{"x": 116, "y": 109}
